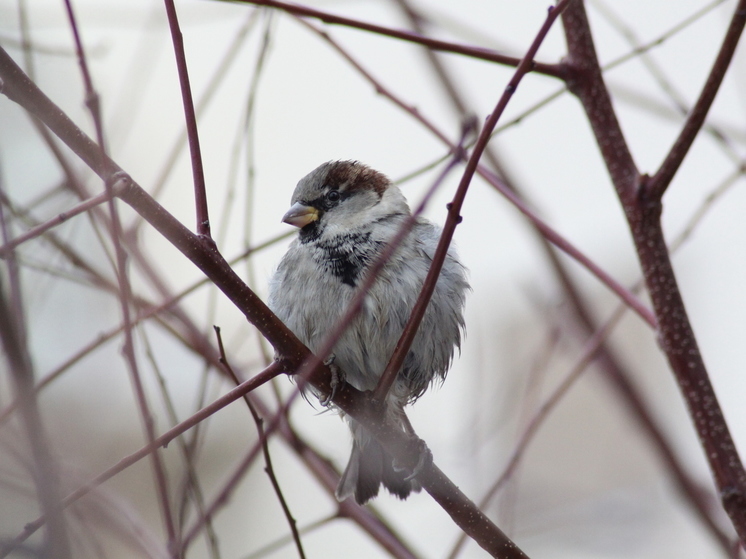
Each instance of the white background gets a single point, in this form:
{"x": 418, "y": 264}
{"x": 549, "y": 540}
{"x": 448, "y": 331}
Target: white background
{"x": 590, "y": 485}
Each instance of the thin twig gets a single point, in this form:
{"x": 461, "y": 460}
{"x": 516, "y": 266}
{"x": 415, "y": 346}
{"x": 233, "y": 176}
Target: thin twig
{"x": 125, "y": 295}
{"x": 265, "y": 448}
{"x": 14, "y": 341}
{"x": 204, "y": 100}
{"x": 161, "y": 441}
{"x": 388, "y": 377}
{"x": 553, "y": 70}
{"x": 60, "y": 218}
{"x": 198, "y": 174}
{"x": 284, "y": 540}
{"x": 658, "y": 184}
{"x": 191, "y": 484}
{"x": 246, "y": 132}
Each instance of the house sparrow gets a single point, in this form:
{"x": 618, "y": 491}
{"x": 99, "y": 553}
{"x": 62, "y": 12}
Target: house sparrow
{"x": 347, "y": 213}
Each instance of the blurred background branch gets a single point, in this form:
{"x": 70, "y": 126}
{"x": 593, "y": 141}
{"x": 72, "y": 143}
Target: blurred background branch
{"x": 566, "y": 468}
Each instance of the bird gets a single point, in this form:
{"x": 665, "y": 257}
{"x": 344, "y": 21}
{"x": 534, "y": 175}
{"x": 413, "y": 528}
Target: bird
{"x": 347, "y": 213}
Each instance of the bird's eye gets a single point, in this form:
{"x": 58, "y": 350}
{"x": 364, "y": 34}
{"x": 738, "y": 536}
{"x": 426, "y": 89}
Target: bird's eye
{"x": 333, "y": 196}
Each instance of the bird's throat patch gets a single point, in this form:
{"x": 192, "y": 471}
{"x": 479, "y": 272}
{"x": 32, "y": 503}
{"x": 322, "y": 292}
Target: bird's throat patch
{"x": 347, "y": 256}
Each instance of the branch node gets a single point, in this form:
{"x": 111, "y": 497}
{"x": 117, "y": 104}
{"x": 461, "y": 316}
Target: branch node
{"x": 117, "y": 182}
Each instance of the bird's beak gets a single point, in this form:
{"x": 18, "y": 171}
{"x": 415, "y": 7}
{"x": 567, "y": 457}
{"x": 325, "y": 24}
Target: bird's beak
{"x": 300, "y": 215}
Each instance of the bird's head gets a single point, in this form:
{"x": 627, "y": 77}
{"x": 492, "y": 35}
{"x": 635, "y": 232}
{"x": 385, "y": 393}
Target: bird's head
{"x": 340, "y": 196}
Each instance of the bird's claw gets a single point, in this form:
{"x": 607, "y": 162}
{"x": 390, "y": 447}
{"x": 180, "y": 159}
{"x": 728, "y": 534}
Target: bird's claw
{"x": 335, "y": 381}
{"x": 424, "y": 460}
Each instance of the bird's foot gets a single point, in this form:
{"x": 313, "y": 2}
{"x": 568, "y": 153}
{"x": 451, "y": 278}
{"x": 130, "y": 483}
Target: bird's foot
{"x": 334, "y": 382}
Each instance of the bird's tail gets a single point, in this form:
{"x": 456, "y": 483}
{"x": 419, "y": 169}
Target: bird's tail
{"x": 369, "y": 467}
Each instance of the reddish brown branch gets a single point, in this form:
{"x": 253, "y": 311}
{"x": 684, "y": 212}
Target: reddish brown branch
{"x": 454, "y": 210}
{"x": 677, "y": 340}
{"x": 658, "y": 184}
{"x": 585, "y": 80}
{"x": 553, "y": 70}
{"x": 190, "y": 118}
{"x": 643, "y": 208}
{"x": 263, "y": 441}
{"x": 410, "y": 329}
{"x": 125, "y": 295}
{"x": 615, "y": 372}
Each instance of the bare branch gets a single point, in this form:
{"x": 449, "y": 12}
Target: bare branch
{"x": 161, "y": 441}
{"x": 14, "y": 342}
{"x": 553, "y": 70}
{"x": 643, "y": 210}
{"x": 198, "y": 174}
{"x": 657, "y": 185}
{"x": 54, "y": 222}
{"x": 259, "y": 422}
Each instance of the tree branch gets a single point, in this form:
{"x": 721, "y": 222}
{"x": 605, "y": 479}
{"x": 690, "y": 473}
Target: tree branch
{"x": 198, "y": 175}
{"x": 643, "y": 209}
{"x": 615, "y": 372}
{"x": 584, "y": 79}
{"x": 658, "y": 184}
{"x": 263, "y": 442}
{"x": 554, "y": 70}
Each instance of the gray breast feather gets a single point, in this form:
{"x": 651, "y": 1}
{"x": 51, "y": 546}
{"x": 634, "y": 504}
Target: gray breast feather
{"x": 310, "y": 299}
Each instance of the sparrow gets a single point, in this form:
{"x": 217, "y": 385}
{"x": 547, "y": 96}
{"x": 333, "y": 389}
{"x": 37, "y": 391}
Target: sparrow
{"x": 347, "y": 213}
